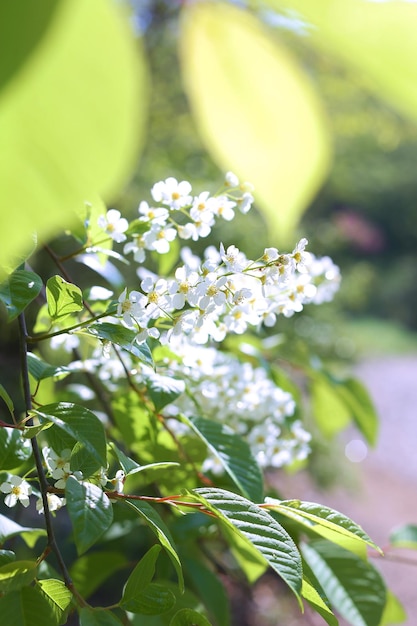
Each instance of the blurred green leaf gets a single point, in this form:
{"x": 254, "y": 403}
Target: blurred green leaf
{"x": 189, "y": 617}
{"x": 40, "y": 370}
{"x": 123, "y": 337}
{"x": 18, "y": 291}
{"x": 12, "y": 451}
{"x": 376, "y": 38}
{"x": 16, "y": 575}
{"x": 91, "y": 570}
{"x": 394, "y": 611}
{"x": 360, "y": 405}
{"x": 209, "y": 588}
{"x": 328, "y": 410}
{"x": 26, "y": 607}
{"x": 404, "y": 536}
{"x": 98, "y": 617}
{"x": 255, "y": 109}
{"x": 71, "y": 112}
{"x": 9, "y": 529}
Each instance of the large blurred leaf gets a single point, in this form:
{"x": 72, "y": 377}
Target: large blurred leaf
{"x": 255, "y": 109}
{"x": 71, "y": 109}
{"x": 378, "y": 39}
{"x": 26, "y": 607}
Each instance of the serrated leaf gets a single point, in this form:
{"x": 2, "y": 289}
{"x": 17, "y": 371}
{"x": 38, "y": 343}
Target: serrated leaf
{"x": 123, "y": 337}
{"x": 234, "y": 454}
{"x": 13, "y": 449}
{"x": 71, "y": 149}
{"x": 26, "y": 607}
{"x": 63, "y": 298}
{"x": 81, "y": 425}
{"x": 18, "y": 291}
{"x": 314, "y": 599}
{"x": 163, "y": 390}
{"x": 159, "y": 528}
{"x": 323, "y": 520}
{"x": 16, "y": 575}
{"x": 404, "y": 536}
{"x": 40, "y": 370}
{"x": 209, "y": 588}
{"x": 98, "y": 617}
{"x": 377, "y": 40}
{"x": 266, "y": 113}
{"x": 90, "y": 511}
{"x": 258, "y": 529}
{"x": 9, "y": 529}
{"x": 89, "y": 571}
{"x": 352, "y": 585}
{"x": 57, "y": 595}
{"x": 7, "y": 399}
{"x": 189, "y": 617}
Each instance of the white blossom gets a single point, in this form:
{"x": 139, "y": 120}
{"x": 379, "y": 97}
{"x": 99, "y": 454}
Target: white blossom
{"x": 17, "y": 490}
{"x": 114, "y": 225}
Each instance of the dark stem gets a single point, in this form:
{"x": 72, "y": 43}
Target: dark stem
{"x": 43, "y": 483}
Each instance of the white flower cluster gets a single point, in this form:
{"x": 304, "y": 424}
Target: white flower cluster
{"x": 222, "y": 388}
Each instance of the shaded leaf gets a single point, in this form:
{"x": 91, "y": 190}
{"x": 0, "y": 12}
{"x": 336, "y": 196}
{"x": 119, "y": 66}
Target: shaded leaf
{"x": 255, "y": 110}
{"x": 16, "y": 575}
{"x": 7, "y": 399}
{"x": 353, "y": 586}
{"x": 233, "y": 452}
{"x": 159, "y": 528}
{"x": 39, "y": 369}
{"x": 257, "y": 528}
{"x": 6, "y": 556}
{"x": 13, "y": 450}
{"x": 123, "y": 337}
{"x": 98, "y": 617}
{"x": 189, "y": 617}
{"x": 89, "y": 571}
{"x": 18, "y": 291}
{"x": 163, "y": 390}
{"x": 153, "y": 599}
{"x": 209, "y": 588}
{"x": 90, "y": 511}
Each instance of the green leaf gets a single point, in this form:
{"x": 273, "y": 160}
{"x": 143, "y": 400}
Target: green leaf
{"x": 153, "y": 599}
{"x": 234, "y": 454}
{"x": 26, "y": 607}
{"x": 58, "y": 596}
{"x": 16, "y": 575}
{"x": 322, "y": 520}
{"x": 255, "y": 110}
{"x": 257, "y": 528}
{"x": 159, "y": 528}
{"x": 9, "y": 529}
{"x": 142, "y": 575}
{"x": 13, "y": 449}
{"x": 18, "y": 291}
{"x": 329, "y": 411}
{"x": 189, "y": 617}
{"x": 209, "y": 588}
{"x": 71, "y": 112}
{"x": 123, "y": 337}
{"x": 90, "y": 511}
{"x": 91, "y": 570}
{"x": 317, "y": 603}
{"x": 6, "y": 556}
{"x": 7, "y": 399}
{"x": 361, "y": 407}
{"x": 404, "y": 536}
{"x": 81, "y": 425}
{"x": 63, "y": 298}
{"x": 40, "y": 370}
{"x": 394, "y": 611}
{"x": 377, "y": 40}
{"x": 98, "y": 617}
{"x": 163, "y": 390}
{"x": 353, "y": 586}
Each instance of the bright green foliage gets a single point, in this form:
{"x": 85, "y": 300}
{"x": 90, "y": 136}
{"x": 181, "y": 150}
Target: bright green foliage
{"x": 63, "y": 298}
{"x": 16, "y": 575}
{"x": 26, "y": 607}
{"x": 58, "y": 596}
{"x": 394, "y": 612}
{"x": 315, "y": 600}
{"x": 40, "y": 370}
{"x": 404, "y": 536}
{"x": 255, "y": 109}
{"x": 122, "y": 337}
